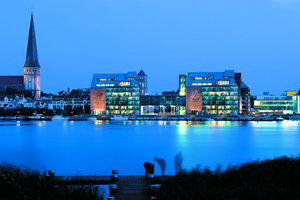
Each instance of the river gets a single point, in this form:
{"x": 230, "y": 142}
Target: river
{"x": 97, "y": 147}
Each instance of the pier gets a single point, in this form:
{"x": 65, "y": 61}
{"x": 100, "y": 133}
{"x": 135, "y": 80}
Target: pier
{"x": 126, "y": 187}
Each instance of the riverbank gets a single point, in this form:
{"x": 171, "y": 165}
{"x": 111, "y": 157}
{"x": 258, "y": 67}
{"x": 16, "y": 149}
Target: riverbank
{"x": 150, "y": 118}
{"x": 270, "y": 179}
{"x": 23, "y": 183}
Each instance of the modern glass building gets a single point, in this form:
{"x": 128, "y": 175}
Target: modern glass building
{"x": 122, "y": 100}
{"x": 182, "y": 85}
{"x": 215, "y": 93}
{"x": 274, "y": 104}
{"x": 169, "y": 103}
{"x": 115, "y": 94}
{"x": 220, "y": 100}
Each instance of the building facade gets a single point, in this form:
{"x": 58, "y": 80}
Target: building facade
{"x": 168, "y": 103}
{"x": 215, "y": 93}
{"x": 32, "y": 77}
{"x": 142, "y": 82}
{"x": 115, "y": 94}
{"x": 269, "y": 104}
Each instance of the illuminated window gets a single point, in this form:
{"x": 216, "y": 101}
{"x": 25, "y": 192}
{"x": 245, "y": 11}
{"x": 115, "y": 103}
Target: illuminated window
{"x": 124, "y": 83}
{"x": 222, "y": 82}
{"x": 195, "y": 84}
{"x": 203, "y": 78}
{"x": 105, "y": 85}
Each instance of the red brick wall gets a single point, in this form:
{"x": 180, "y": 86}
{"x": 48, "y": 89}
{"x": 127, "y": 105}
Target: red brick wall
{"x": 98, "y": 100}
{"x": 194, "y": 99}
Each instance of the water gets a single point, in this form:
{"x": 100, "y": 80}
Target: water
{"x": 71, "y": 148}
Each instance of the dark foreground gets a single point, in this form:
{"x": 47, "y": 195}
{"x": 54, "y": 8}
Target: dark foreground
{"x": 16, "y": 183}
{"x": 270, "y": 179}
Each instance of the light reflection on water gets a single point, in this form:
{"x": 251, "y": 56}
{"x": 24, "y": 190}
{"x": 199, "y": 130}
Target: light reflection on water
{"x": 86, "y": 147}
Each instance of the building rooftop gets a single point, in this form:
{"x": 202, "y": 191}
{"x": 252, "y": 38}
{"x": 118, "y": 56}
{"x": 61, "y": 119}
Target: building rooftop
{"x": 142, "y": 73}
{"x": 11, "y": 80}
{"x": 196, "y": 79}
{"x": 113, "y": 79}
{"x": 32, "y": 55}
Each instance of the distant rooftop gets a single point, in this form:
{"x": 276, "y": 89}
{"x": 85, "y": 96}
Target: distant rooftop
{"x": 11, "y": 80}
{"x": 142, "y": 73}
{"x": 113, "y": 79}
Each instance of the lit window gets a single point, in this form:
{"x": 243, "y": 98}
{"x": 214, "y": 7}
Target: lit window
{"x": 222, "y": 82}
{"x": 197, "y": 84}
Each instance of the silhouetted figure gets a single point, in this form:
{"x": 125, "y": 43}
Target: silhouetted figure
{"x": 162, "y": 163}
{"x": 178, "y": 163}
{"x": 149, "y": 168}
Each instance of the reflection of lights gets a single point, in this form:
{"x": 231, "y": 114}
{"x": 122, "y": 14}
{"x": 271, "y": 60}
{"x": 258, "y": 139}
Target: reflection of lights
{"x": 288, "y": 123}
{"x": 162, "y": 123}
{"x": 182, "y": 127}
{"x": 18, "y": 123}
{"x": 40, "y": 124}
{"x": 98, "y": 122}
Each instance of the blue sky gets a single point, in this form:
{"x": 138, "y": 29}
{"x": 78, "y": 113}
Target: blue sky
{"x": 76, "y": 38}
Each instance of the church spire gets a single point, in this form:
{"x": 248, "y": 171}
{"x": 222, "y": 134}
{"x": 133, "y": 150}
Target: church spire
{"x": 32, "y": 55}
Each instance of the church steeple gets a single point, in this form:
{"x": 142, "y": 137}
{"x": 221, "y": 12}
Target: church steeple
{"x": 32, "y": 70}
{"x": 32, "y": 55}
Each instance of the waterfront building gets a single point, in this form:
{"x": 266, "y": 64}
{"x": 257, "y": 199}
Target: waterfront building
{"x": 168, "y": 103}
{"x": 7, "y": 102}
{"x": 270, "y": 104}
{"x": 31, "y": 79}
{"x": 296, "y": 102}
{"x": 244, "y": 99}
{"x": 115, "y": 94}
{"x": 182, "y": 85}
{"x": 215, "y": 93}
{"x": 77, "y": 101}
{"x": 142, "y": 82}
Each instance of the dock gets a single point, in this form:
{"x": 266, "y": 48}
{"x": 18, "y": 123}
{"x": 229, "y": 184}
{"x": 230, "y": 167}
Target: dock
{"x": 125, "y": 187}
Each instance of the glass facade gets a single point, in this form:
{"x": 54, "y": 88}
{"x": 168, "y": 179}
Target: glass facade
{"x": 220, "y": 100}
{"x": 182, "y": 85}
{"x": 163, "y": 104}
{"x": 274, "y": 106}
{"x": 122, "y": 100}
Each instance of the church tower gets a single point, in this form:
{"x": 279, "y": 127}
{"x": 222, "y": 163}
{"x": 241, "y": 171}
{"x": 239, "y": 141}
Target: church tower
{"x": 32, "y": 80}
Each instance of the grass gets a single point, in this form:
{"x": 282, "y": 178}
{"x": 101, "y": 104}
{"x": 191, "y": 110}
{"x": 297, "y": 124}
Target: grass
{"x": 274, "y": 179}
{"x": 22, "y": 183}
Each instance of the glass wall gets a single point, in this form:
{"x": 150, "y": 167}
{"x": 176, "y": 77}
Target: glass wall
{"x": 274, "y": 106}
{"x": 122, "y": 100}
{"x": 220, "y": 100}
{"x": 182, "y": 85}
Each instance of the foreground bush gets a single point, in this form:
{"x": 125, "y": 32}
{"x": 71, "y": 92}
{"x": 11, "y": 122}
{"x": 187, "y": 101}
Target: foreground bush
{"x": 19, "y": 184}
{"x": 270, "y": 179}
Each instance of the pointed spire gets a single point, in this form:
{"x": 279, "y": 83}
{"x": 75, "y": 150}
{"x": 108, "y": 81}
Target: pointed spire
{"x": 141, "y": 73}
{"x": 32, "y": 55}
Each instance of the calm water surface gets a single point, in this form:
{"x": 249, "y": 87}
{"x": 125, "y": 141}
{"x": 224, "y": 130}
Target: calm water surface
{"x": 71, "y": 148}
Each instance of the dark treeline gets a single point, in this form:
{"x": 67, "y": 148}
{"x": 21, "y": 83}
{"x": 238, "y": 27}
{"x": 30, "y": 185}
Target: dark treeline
{"x": 21, "y": 183}
{"x": 25, "y": 111}
{"x": 270, "y": 179}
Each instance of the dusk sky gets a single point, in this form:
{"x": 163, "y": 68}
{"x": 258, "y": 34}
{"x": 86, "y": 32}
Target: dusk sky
{"x": 165, "y": 38}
